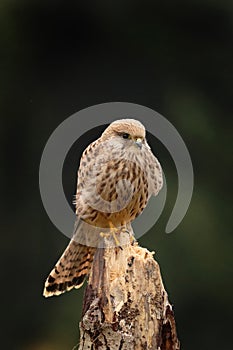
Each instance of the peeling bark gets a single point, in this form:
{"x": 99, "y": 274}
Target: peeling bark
{"x": 125, "y": 304}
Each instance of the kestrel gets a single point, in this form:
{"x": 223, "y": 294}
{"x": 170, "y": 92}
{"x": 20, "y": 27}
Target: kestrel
{"x": 117, "y": 175}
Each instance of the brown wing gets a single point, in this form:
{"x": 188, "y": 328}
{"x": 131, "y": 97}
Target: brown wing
{"x": 154, "y": 171}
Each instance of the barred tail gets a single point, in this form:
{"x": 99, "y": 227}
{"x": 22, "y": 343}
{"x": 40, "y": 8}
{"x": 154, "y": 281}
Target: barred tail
{"x": 70, "y": 270}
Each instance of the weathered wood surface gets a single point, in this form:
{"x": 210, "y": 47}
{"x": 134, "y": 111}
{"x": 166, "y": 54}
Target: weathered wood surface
{"x": 125, "y": 304}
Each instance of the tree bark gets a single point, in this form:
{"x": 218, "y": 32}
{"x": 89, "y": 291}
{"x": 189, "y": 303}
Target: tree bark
{"x": 125, "y": 304}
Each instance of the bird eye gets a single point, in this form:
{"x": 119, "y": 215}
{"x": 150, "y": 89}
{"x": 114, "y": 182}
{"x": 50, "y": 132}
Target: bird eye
{"x": 125, "y": 136}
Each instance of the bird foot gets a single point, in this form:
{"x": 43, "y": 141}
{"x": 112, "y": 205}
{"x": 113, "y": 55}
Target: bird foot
{"x": 113, "y": 232}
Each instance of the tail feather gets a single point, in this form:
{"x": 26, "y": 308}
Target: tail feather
{"x": 70, "y": 270}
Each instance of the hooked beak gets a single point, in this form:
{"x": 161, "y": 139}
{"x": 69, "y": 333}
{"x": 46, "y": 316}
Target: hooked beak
{"x": 139, "y": 142}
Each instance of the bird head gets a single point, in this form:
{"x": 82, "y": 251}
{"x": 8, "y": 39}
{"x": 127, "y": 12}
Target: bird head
{"x": 129, "y": 131}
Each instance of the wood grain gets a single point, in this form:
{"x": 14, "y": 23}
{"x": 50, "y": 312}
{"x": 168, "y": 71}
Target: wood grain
{"x": 125, "y": 304}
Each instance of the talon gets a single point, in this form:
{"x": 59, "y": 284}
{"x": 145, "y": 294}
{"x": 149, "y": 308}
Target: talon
{"x": 125, "y": 230}
{"x": 132, "y": 240}
{"x": 131, "y": 236}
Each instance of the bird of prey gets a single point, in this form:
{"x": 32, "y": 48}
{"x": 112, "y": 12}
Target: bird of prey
{"x": 117, "y": 175}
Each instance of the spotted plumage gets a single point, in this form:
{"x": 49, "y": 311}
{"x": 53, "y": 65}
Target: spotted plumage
{"x": 117, "y": 175}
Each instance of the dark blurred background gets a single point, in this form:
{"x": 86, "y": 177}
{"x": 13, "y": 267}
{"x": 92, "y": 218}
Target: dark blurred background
{"x": 58, "y": 57}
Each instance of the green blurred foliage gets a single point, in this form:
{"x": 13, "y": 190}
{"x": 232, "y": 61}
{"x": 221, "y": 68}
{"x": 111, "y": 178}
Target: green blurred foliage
{"x": 58, "y": 57}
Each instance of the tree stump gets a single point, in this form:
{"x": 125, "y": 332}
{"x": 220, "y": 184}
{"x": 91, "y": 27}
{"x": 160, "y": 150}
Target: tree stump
{"x": 125, "y": 304}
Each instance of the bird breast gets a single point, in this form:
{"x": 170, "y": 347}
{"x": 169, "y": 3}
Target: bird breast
{"x": 113, "y": 189}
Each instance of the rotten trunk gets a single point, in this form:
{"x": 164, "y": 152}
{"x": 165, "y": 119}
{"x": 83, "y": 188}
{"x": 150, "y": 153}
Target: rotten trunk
{"x": 125, "y": 304}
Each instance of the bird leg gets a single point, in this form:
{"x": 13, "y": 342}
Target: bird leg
{"x": 113, "y": 231}
{"x": 131, "y": 236}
